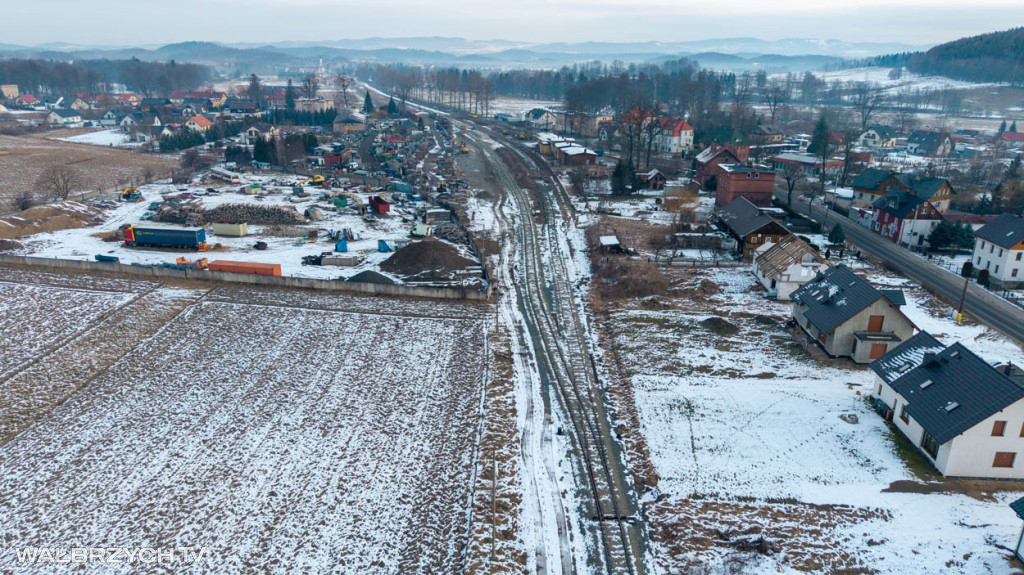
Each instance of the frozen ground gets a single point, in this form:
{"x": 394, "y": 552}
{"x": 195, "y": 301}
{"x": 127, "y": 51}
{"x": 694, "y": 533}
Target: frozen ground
{"x": 83, "y": 243}
{"x": 745, "y": 433}
{"x": 907, "y": 81}
{"x": 518, "y": 107}
{"x": 275, "y": 428}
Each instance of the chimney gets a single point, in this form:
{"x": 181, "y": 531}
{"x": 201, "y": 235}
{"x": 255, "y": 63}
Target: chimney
{"x": 928, "y": 359}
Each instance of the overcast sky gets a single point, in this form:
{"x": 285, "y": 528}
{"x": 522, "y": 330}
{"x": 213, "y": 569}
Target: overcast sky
{"x": 145, "y": 22}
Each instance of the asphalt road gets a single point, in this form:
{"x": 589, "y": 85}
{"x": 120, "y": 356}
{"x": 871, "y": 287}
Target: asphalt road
{"x": 979, "y": 303}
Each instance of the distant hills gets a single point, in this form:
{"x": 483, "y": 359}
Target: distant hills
{"x": 995, "y": 57}
{"x": 737, "y": 54}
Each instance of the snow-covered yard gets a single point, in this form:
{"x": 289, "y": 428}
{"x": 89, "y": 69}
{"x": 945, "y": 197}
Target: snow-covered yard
{"x": 322, "y": 432}
{"x": 745, "y": 433}
{"x": 115, "y": 138}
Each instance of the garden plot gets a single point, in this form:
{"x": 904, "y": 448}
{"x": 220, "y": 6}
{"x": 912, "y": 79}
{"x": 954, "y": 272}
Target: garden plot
{"x": 323, "y": 441}
{"x": 744, "y": 430}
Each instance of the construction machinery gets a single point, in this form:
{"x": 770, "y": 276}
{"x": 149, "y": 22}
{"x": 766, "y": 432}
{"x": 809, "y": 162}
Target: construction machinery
{"x": 199, "y": 264}
{"x": 131, "y": 194}
{"x": 317, "y": 181}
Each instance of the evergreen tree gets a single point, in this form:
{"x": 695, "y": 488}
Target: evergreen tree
{"x": 622, "y": 178}
{"x": 1013, "y": 127}
{"x": 289, "y": 97}
{"x": 821, "y": 147}
{"x": 255, "y": 90}
{"x": 837, "y": 235}
{"x": 367, "y": 104}
{"x": 392, "y": 107}
{"x": 1002, "y": 128}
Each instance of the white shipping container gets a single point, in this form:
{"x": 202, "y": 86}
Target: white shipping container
{"x": 230, "y": 229}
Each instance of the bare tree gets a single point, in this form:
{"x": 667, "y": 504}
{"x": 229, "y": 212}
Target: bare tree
{"x": 24, "y": 201}
{"x": 792, "y": 175}
{"x": 775, "y": 96}
{"x": 652, "y": 131}
{"x": 343, "y": 82}
{"x": 310, "y": 86}
{"x": 58, "y": 181}
{"x": 867, "y": 98}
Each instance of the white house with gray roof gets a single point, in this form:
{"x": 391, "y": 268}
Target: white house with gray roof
{"x": 999, "y": 248}
{"x": 965, "y": 415}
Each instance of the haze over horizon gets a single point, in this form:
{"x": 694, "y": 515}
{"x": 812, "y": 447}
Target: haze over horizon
{"x": 123, "y": 23}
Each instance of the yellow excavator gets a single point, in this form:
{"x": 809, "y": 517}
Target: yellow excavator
{"x": 131, "y": 194}
{"x": 317, "y": 180}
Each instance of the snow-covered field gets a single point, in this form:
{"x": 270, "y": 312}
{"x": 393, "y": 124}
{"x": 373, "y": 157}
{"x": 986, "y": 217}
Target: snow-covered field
{"x": 907, "y": 81}
{"x": 281, "y": 430}
{"x": 115, "y": 138}
{"x": 745, "y": 434}
{"x": 518, "y": 107}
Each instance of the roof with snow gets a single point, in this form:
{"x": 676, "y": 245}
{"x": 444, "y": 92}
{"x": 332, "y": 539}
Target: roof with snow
{"x": 836, "y": 295}
{"x": 905, "y": 356}
{"x": 1005, "y": 231}
{"x": 954, "y": 390}
{"x": 609, "y": 241}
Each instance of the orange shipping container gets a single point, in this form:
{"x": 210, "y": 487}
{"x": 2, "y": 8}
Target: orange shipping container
{"x": 245, "y": 268}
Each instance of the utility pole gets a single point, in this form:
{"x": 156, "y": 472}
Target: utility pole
{"x": 963, "y": 296}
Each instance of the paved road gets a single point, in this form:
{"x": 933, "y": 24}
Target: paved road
{"x": 982, "y": 305}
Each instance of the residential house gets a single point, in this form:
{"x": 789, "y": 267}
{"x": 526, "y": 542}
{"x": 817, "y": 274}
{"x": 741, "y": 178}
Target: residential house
{"x": 27, "y": 101}
{"x": 674, "y": 137}
{"x": 810, "y": 164}
{"x": 768, "y": 134}
{"x": 243, "y": 107}
{"x": 112, "y": 117}
{"x": 154, "y": 104}
{"x": 754, "y": 182}
{"x": 193, "y": 107}
{"x": 999, "y": 248}
{"x": 750, "y": 226}
{"x": 541, "y": 119}
{"x": 129, "y": 100}
{"x": 8, "y": 91}
{"x": 963, "y": 414}
{"x": 130, "y": 122}
{"x": 78, "y": 103}
{"x": 53, "y": 102}
{"x": 62, "y": 116}
{"x": 708, "y": 160}
{"x": 848, "y": 317}
{"x": 874, "y": 183}
{"x": 878, "y": 136}
{"x": 976, "y": 221}
{"x": 938, "y": 191}
{"x": 783, "y": 266}
{"x": 581, "y": 124}
{"x": 904, "y": 218}
{"x": 262, "y": 131}
{"x": 198, "y": 123}
{"x": 1012, "y": 139}
{"x": 577, "y": 156}
{"x": 928, "y": 143}
{"x": 217, "y": 99}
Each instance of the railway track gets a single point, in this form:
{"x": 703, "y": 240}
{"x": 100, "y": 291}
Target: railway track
{"x": 548, "y": 305}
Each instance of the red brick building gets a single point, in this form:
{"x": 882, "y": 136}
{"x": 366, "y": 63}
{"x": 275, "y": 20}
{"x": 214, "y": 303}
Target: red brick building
{"x": 754, "y": 182}
{"x": 708, "y": 161}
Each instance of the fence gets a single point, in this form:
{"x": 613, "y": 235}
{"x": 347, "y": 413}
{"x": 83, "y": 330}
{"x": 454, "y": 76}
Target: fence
{"x": 431, "y": 292}
{"x": 696, "y": 263}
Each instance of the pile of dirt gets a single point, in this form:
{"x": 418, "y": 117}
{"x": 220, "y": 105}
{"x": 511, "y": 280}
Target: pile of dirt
{"x": 9, "y": 245}
{"x": 427, "y": 260}
{"x": 719, "y": 326}
{"x": 371, "y": 277}
{"x": 49, "y": 218}
{"x": 703, "y": 290}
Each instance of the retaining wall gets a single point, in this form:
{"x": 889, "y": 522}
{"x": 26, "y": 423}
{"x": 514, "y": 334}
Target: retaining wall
{"x": 433, "y": 292}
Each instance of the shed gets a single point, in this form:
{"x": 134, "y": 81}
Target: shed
{"x": 231, "y": 229}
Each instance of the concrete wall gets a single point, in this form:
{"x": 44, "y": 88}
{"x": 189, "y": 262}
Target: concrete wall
{"x": 453, "y": 293}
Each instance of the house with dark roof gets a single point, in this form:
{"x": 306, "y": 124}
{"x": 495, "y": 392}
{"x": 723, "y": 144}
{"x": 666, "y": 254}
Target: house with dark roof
{"x": 1018, "y": 508}
{"x": 849, "y": 317}
{"x": 708, "y": 160}
{"x": 965, "y": 415}
{"x": 874, "y": 183}
{"x": 999, "y": 248}
{"x": 938, "y": 191}
{"x": 750, "y": 226}
{"x": 904, "y": 218}
{"x": 878, "y": 136}
{"x": 63, "y": 116}
{"x": 784, "y": 266}
{"x": 929, "y": 143}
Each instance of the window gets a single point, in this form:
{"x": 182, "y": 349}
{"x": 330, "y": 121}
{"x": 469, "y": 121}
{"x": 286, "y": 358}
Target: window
{"x": 904, "y": 416}
{"x": 1019, "y": 254}
{"x": 1013, "y": 273}
{"x": 1000, "y": 252}
{"x": 998, "y": 429}
{"x": 1004, "y": 459}
{"x": 991, "y": 249}
{"x": 997, "y": 268}
{"x": 929, "y": 444}
{"x": 979, "y": 260}
{"x": 1022, "y": 430}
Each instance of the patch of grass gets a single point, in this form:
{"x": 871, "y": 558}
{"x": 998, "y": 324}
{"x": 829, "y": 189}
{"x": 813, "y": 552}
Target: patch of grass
{"x": 910, "y": 456}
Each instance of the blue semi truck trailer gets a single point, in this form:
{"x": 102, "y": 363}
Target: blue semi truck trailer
{"x": 194, "y": 239}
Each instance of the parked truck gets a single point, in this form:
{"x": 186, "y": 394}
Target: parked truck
{"x": 193, "y": 239}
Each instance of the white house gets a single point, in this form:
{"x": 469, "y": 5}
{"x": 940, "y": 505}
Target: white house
{"x": 999, "y": 248}
{"x": 63, "y": 116}
{"x": 784, "y": 266}
{"x": 963, "y": 414}
{"x": 878, "y": 136}
{"x": 675, "y": 136}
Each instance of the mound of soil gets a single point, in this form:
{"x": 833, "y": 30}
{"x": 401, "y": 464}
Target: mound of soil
{"x": 719, "y": 326}
{"x": 427, "y": 260}
{"x": 371, "y": 277}
{"x": 49, "y": 218}
{"x": 9, "y": 245}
